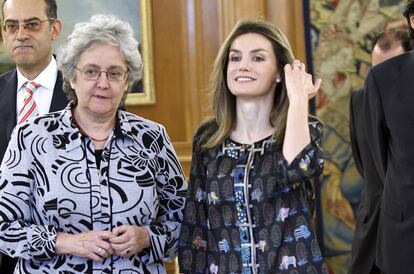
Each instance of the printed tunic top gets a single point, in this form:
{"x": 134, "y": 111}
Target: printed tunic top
{"x": 247, "y": 210}
{"x": 49, "y": 182}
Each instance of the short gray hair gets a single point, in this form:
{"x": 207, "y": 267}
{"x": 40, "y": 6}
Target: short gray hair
{"x": 100, "y": 29}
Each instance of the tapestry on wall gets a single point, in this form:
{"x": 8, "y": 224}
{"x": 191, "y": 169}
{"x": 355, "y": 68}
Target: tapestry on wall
{"x": 341, "y": 32}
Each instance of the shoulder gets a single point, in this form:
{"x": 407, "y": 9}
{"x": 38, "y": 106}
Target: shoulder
{"x": 137, "y": 122}
{"x": 357, "y": 95}
{"x": 143, "y": 131}
{"x": 389, "y": 75}
{"x": 315, "y": 126}
{"x": 51, "y": 120}
{"x": 394, "y": 66}
{"x": 44, "y": 125}
{"x": 358, "y": 92}
{"x": 208, "y": 126}
{"x": 7, "y": 76}
{"x": 204, "y": 132}
{"x": 314, "y": 121}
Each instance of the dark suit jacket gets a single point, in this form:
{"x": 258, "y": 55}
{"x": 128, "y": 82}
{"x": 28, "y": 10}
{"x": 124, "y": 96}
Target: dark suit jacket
{"x": 389, "y": 127}
{"x": 8, "y": 86}
{"x": 365, "y": 237}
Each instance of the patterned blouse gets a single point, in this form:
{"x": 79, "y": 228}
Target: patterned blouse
{"x": 49, "y": 182}
{"x": 248, "y": 211}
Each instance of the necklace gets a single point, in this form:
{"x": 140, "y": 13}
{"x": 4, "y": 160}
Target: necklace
{"x": 84, "y": 132}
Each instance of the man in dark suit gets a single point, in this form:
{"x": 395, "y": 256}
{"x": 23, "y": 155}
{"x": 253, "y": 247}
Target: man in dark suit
{"x": 29, "y": 29}
{"x": 388, "y": 117}
{"x": 388, "y": 44}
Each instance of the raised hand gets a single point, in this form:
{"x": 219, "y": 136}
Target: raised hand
{"x": 299, "y": 83}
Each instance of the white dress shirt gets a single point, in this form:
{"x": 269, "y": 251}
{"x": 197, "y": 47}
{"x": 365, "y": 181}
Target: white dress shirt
{"x": 43, "y": 95}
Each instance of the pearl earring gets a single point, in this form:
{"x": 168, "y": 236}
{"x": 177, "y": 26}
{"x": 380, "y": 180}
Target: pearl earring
{"x": 278, "y": 80}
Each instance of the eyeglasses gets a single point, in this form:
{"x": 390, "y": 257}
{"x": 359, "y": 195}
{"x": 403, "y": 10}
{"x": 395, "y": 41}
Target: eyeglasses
{"x": 31, "y": 26}
{"x": 93, "y": 74}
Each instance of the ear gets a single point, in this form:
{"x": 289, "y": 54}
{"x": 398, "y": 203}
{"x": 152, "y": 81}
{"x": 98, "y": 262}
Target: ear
{"x": 2, "y": 35}
{"x": 126, "y": 85}
{"x": 72, "y": 84}
{"x": 56, "y": 29}
{"x": 412, "y": 20}
{"x": 278, "y": 79}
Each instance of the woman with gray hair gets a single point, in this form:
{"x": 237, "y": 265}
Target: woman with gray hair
{"x": 92, "y": 188}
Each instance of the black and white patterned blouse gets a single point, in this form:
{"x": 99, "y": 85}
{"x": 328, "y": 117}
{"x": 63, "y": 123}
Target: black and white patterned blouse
{"x": 247, "y": 210}
{"x": 49, "y": 182}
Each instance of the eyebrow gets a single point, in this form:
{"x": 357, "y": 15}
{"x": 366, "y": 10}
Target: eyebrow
{"x": 90, "y": 65}
{"x": 252, "y": 51}
{"x": 25, "y": 20}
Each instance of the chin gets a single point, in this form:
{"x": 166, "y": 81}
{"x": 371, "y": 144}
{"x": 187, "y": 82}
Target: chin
{"x": 103, "y": 110}
{"x": 23, "y": 61}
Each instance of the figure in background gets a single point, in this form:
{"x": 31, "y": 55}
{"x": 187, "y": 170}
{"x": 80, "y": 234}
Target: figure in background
{"x": 92, "y": 188}
{"x": 388, "y": 44}
{"x": 29, "y": 28}
{"x": 248, "y": 207}
{"x": 388, "y": 119}
{"x": 342, "y": 32}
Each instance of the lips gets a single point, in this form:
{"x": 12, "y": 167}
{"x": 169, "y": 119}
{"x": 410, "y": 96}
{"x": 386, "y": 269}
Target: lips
{"x": 100, "y": 96}
{"x": 22, "y": 47}
{"x": 244, "y": 79}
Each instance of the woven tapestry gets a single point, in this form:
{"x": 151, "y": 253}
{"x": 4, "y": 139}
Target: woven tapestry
{"x": 340, "y": 33}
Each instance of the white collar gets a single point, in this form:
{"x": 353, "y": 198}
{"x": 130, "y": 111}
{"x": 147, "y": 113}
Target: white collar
{"x": 46, "y": 79}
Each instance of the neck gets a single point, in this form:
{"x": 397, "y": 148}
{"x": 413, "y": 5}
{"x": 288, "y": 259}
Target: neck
{"x": 252, "y": 122}
{"x": 32, "y": 71}
{"x": 30, "y": 75}
{"x": 250, "y": 134}
{"x": 97, "y": 130}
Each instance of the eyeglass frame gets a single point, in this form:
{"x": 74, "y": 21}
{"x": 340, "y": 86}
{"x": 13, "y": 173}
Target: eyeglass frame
{"x": 82, "y": 71}
{"x": 25, "y": 25}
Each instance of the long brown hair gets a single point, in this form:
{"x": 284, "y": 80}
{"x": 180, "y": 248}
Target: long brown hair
{"x": 223, "y": 121}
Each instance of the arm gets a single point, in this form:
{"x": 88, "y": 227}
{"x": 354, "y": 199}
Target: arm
{"x": 308, "y": 163}
{"x": 376, "y": 130}
{"x": 23, "y": 230}
{"x": 299, "y": 85}
{"x": 297, "y": 130}
{"x": 301, "y": 146}
{"x": 354, "y": 105}
{"x": 171, "y": 188}
{"x": 22, "y": 233}
{"x": 193, "y": 235}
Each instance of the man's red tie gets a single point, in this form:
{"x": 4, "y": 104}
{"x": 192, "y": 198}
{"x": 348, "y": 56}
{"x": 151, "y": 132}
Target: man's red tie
{"x": 29, "y": 108}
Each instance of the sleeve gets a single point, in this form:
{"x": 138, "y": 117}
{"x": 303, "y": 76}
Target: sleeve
{"x": 21, "y": 235}
{"x": 193, "y": 236}
{"x": 353, "y": 105}
{"x": 308, "y": 163}
{"x": 171, "y": 188}
{"x": 375, "y": 125}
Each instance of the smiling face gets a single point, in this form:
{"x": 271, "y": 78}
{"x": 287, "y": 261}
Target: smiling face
{"x": 251, "y": 70}
{"x": 99, "y": 97}
{"x": 30, "y": 50}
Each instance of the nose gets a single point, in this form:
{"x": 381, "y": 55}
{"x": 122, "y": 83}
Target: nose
{"x": 244, "y": 65}
{"x": 103, "y": 81}
{"x": 22, "y": 33}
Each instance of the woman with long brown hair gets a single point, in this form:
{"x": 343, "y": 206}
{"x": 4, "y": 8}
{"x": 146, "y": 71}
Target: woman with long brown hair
{"x": 247, "y": 209}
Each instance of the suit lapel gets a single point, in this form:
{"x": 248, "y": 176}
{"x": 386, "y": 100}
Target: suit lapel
{"x": 59, "y": 99}
{"x": 8, "y": 103}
